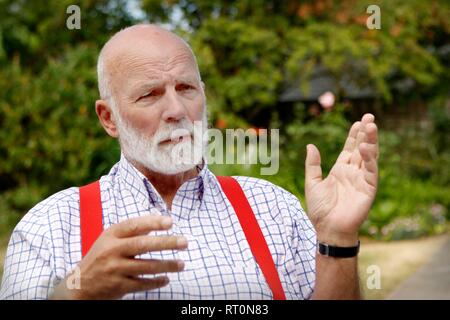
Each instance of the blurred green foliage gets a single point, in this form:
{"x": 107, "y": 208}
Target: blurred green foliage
{"x": 248, "y": 51}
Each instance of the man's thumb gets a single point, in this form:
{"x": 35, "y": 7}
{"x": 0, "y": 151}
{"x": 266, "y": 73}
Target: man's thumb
{"x": 313, "y": 171}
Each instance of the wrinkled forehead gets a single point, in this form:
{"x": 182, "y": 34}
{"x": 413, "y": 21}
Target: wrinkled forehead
{"x": 148, "y": 55}
{"x": 153, "y": 60}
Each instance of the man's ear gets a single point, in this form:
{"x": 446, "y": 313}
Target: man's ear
{"x": 105, "y": 115}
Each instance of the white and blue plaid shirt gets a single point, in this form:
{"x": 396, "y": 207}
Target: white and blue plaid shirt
{"x": 45, "y": 245}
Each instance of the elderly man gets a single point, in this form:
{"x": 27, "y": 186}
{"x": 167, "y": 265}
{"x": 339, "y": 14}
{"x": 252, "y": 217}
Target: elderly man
{"x": 156, "y": 227}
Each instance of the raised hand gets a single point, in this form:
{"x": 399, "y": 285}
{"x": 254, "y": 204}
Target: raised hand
{"x": 339, "y": 204}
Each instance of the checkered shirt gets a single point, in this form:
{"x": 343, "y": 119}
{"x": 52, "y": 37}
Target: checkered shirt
{"x": 45, "y": 246}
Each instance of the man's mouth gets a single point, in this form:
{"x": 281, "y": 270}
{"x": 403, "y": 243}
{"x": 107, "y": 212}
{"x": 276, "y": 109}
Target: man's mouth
{"x": 176, "y": 139}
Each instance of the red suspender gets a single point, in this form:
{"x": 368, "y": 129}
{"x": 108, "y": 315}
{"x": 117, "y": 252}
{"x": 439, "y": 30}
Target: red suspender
{"x": 253, "y": 233}
{"x": 91, "y": 227}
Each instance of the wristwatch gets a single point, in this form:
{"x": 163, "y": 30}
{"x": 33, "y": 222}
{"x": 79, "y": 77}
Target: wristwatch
{"x": 338, "y": 252}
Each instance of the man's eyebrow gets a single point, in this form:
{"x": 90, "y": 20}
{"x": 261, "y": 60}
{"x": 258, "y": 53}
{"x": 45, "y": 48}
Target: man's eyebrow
{"x": 188, "y": 79}
{"x": 143, "y": 85}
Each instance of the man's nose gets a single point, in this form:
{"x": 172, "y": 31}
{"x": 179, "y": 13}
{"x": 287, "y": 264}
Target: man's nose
{"x": 174, "y": 108}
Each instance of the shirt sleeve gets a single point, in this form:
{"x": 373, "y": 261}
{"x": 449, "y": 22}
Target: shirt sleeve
{"x": 27, "y": 270}
{"x": 304, "y": 246}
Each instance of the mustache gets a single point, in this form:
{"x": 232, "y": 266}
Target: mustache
{"x": 173, "y": 131}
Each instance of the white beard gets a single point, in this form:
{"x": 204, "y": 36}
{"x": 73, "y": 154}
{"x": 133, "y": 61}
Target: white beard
{"x": 169, "y": 158}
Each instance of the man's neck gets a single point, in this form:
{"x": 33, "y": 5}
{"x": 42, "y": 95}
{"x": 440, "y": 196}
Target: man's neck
{"x": 167, "y": 185}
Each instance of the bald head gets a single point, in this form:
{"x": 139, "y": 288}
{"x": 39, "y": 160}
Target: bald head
{"x": 136, "y": 46}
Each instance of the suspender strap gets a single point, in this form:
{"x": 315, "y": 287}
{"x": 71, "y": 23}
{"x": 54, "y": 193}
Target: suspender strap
{"x": 90, "y": 215}
{"x": 253, "y": 233}
{"x": 91, "y": 227}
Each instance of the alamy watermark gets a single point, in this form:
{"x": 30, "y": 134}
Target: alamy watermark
{"x": 373, "y": 281}
{"x": 74, "y": 20}
{"x": 374, "y": 20}
{"x": 232, "y": 146}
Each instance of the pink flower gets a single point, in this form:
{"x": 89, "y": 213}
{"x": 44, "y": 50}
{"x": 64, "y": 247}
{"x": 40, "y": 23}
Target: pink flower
{"x": 326, "y": 100}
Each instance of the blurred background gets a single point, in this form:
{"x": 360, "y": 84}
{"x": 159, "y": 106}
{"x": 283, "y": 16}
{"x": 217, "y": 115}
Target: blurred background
{"x": 309, "y": 68}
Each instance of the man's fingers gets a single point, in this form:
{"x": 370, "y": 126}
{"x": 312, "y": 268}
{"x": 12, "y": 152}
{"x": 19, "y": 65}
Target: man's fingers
{"x": 371, "y": 176}
{"x": 142, "y": 244}
{"x": 313, "y": 170}
{"x": 369, "y": 147}
{"x": 367, "y": 118}
{"x": 372, "y": 137}
{"x": 152, "y": 266}
{"x": 366, "y": 122}
{"x": 371, "y": 133}
{"x": 355, "y": 157}
{"x": 351, "y": 139}
{"x": 369, "y": 155}
{"x": 350, "y": 143}
{"x": 141, "y": 225}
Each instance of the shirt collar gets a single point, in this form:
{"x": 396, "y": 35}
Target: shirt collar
{"x": 143, "y": 190}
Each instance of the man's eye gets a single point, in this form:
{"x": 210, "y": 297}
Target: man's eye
{"x": 152, "y": 93}
{"x": 184, "y": 87}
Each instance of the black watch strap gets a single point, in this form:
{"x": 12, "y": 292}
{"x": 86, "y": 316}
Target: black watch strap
{"x": 338, "y": 252}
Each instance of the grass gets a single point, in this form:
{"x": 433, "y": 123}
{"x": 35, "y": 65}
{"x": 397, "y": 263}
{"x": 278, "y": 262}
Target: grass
{"x": 396, "y": 260}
